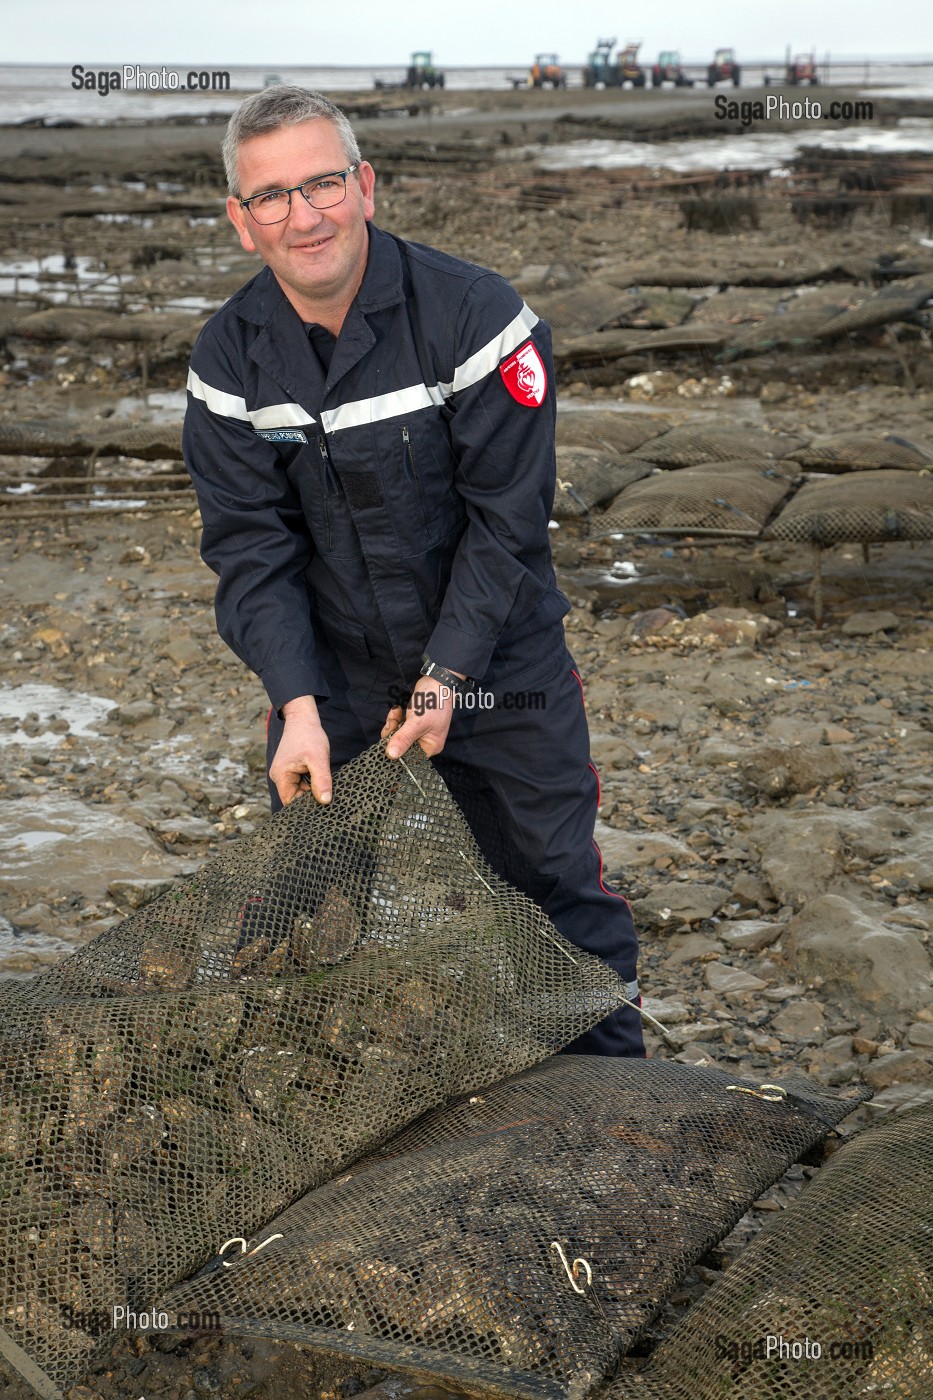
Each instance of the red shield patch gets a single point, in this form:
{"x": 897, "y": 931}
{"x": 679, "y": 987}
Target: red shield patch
{"x": 524, "y": 376}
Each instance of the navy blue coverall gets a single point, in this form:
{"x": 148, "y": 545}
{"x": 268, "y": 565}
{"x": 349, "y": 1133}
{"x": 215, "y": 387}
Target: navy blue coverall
{"x": 395, "y": 503}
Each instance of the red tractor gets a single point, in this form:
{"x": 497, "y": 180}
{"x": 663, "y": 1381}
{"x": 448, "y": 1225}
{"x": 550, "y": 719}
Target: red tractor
{"x": 669, "y": 69}
{"x": 801, "y": 69}
{"x": 723, "y": 69}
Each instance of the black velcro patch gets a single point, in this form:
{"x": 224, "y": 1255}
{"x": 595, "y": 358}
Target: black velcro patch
{"x": 362, "y": 489}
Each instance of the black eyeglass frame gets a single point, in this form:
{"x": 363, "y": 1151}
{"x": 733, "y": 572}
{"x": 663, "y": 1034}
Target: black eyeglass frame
{"x": 300, "y": 189}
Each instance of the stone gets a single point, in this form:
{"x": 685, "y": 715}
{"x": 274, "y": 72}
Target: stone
{"x": 861, "y": 960}
{"x": 904, "y": 1066}
{"x": 835, "y": 734}
{"x": 801, "y": 1021}
{"x": 667, "y": 1010}
{"x": 751, "y": 891}
{"x": 681, "y": 903}
{"x": 800, "y": 853}
{"x": 920, "y": 1033}
{"x": 777, "y": 770}
{"x": 136, "y": 893}
{"x": 784, "y": 992}
{"x": 773, "y": 391}
{"x": 691, "y": 947}
{"x": 865, "y": 624}
{"x": 626, "y": 850}
{"x": 135, "y": 712}
{"x": 898, "y": 1099}
{"x": 729, "y": 981}
{"x": 696, "y": 1030}
{"x": 750, "y": 934}
{"x": 62, "y": 844}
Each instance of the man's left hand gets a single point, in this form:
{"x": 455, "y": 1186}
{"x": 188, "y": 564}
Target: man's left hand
{"x": 427, "y": 720}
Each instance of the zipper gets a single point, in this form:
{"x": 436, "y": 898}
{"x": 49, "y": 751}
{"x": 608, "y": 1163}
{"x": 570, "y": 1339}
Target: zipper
{"x": 411, "y": 470}
{"x": 331, "y": 489}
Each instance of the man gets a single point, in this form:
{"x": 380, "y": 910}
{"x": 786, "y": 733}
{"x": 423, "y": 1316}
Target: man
{"x": 370, "y": 431}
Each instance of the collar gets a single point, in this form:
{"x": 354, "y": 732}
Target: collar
{"x": 382, "y": 285}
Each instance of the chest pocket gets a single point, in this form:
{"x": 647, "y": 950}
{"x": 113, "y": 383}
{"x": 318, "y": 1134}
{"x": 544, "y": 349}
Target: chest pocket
{"x": 418, "y": 468}
{"x": 324, "y": 500}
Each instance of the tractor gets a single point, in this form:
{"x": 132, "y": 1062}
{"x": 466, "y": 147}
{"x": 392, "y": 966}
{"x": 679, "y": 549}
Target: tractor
{"x": 547, "y": 72}
{"x": 422, "y": 73}
{"x": 630, "y": 70}
{"x": 669, "y": 69}
{"x": 803, "y": 70}
{"x": 723, "y": 69}
{"x": 600, "y": 69}
{"x": 800, "y": 69}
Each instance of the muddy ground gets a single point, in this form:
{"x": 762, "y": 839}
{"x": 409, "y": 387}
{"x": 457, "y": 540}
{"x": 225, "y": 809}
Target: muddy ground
{"x": 765, "y": 781}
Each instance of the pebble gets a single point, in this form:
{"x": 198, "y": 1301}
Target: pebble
{"x": 728, "y": 981}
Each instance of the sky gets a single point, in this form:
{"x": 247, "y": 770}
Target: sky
{"x": 473, "y": 32}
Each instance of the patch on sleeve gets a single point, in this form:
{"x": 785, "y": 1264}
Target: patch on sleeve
{"x": 524, "y": 376}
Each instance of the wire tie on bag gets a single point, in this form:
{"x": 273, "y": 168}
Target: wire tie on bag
{"x": 775, "y": 1096}
{"x": 245, "y": 1250}
{"x": 573, "y": 1270}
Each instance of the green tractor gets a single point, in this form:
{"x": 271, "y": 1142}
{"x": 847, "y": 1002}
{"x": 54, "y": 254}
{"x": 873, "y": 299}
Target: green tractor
{"x": 600, "y": 71}
{"x": 422, "y": 73}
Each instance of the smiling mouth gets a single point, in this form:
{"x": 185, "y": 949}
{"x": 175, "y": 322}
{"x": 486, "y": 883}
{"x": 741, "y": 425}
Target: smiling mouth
{"x": 313, "y": 243}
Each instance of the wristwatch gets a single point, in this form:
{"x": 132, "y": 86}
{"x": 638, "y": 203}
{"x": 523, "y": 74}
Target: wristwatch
{"x": 448, "y": 678}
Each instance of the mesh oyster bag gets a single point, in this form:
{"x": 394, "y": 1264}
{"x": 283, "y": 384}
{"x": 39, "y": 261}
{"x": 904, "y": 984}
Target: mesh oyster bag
{"x": 867, "y": 506}
{"x": 687, "y": 446}
{"x": 834, "y": 1298}
{"x": 725, "y": 498}
{"x": 607, "y": 430}
{"x": 517, "y": 1242}
{"x": 244, "y": 1037}
{"x": 587, "y": 477}
{"x": 842, "y": 452}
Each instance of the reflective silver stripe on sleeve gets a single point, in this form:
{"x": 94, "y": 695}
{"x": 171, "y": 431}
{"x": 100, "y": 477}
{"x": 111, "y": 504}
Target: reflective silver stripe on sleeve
{"x": 631, "y": 990}
{"x": 276, "y": 415}
{"x": 485, "y": 361}
{"x": 417, "y": 396}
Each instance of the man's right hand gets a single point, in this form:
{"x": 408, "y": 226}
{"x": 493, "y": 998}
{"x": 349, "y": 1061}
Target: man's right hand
{"x": 303, "y": 754}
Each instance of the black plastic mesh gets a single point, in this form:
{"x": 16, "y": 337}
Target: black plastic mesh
{"x": 848, "y": 1268}
{"x": 842, "y": 452}
{"x": 892, "y": 303}
{"x": 607, "y": 431}
{"x": 587, "y": 477}
{"x": 67, "y": 438}
{"x": 871, "y": 505}
{"x": 690, "y": 445}
{"x": 84, "y": 324}
{"x": 442, "y": 1256}
{"x": 798, "y": 322}
{"x": 244, "y": 1037}
{"x": 716, "y": 497}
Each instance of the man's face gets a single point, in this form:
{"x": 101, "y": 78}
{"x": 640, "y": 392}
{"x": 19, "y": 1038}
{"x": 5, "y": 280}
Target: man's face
{"x": 318, "y": 255}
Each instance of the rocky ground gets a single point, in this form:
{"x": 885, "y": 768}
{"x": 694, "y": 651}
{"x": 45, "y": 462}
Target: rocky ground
{"x": 765, "y": 781}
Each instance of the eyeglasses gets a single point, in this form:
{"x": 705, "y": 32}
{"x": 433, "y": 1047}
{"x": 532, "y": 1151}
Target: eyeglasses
{"x": 323, "y": 192}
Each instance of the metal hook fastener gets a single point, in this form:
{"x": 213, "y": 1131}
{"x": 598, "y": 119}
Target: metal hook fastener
{"x": 775, "y": 1096}
{"x": 573, "y": 1270}
{"x": 245, "y": 1250}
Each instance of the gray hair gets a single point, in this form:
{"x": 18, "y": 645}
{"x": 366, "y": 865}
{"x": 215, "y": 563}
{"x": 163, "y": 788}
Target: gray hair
{"x": 277, "y": 106}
